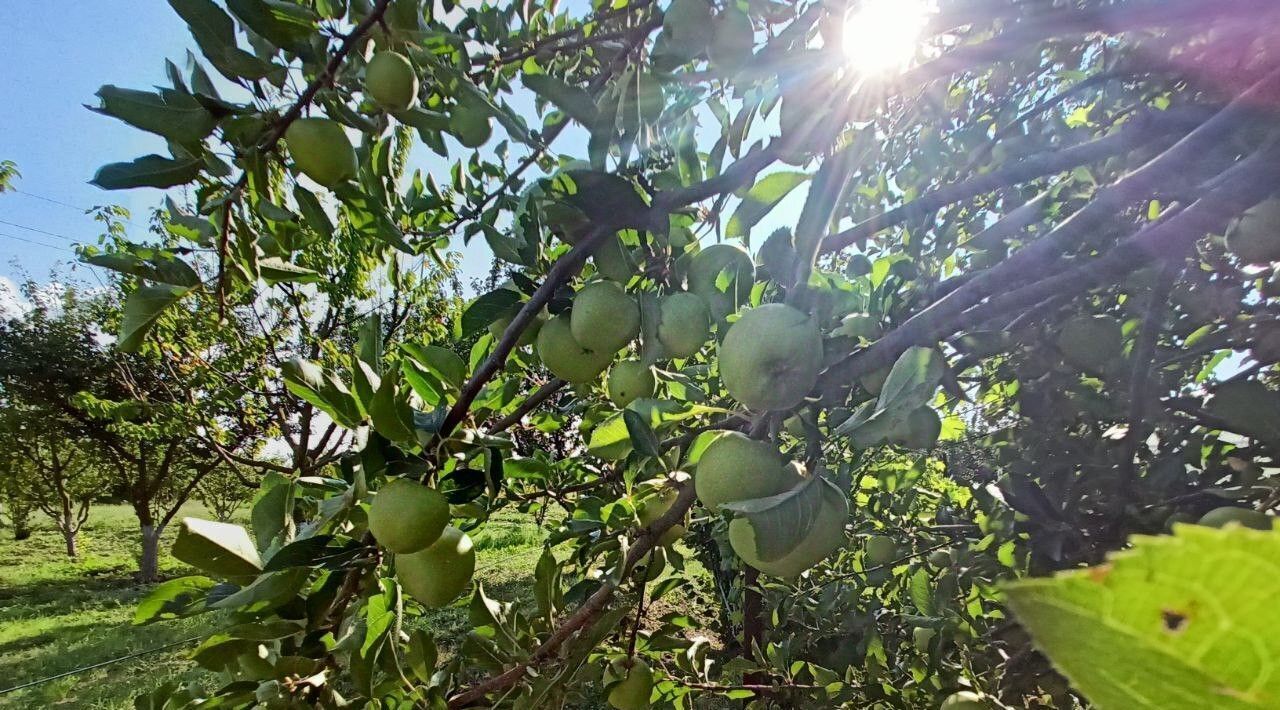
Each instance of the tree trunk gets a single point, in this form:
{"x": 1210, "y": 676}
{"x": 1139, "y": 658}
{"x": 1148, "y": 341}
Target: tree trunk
{"x": 69, "y": 535}
{"x": 149, "y": 562}
{"x": 21, "y": 529}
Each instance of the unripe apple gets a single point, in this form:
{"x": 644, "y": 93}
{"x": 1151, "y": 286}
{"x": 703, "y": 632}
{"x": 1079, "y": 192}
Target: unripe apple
{"x": 321, "y": 150}
{"x": 652, "y": 566}
{"x": 771, "y": 356}
{"x": 735, "y": 264}
{"x": 940, "y": 558}
{"x": 963, "y": 700}
{"x": 1255, "y": 238}
{"x": 1091, "y": 343}
{"x": 604, "y": 318}
{"x": 1249, "y": 518}
{"x": 920, "y": 431}
{"x": 565, "y": 357}
{"x": 633, "y": 691}
{"x": 881, "y": 550}
{"x": 921, "y": 636}
{"x": 613, "y": 262}
{"x": 406, "y": 516}
{"x": 824, "y": 537}
{"x": 436, "y": 575}
{"x": 630, "y": 380}
{"x": 734, "y": 467}
{"x": 657, "y": 504}
{"x": 684, "y": 324}
{"x": 389, "y": 80}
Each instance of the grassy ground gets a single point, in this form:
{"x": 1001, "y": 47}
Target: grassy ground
{"x": 57, "y": 615}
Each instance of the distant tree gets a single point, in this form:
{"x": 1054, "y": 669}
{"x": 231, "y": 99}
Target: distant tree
{"x": 64, "y": 473}
{"x": 15, "y": 504}
{"x": 224, "y": 491}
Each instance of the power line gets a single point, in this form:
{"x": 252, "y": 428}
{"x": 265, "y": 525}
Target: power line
{"x": 32, "y": 241}
{"x": 82, "y": 210}
{"x": 40, "y": 231}
{"x": 100, "y": 664}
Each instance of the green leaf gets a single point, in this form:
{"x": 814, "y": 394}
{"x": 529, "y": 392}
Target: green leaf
{"x": 267, "y": 592}
{"x": 286, "y": 25}
{"x": 642, "y": 437}
{"x": 147, "y": 171}
{"x": 166, "y": 268}
{"x": 575, "y": 102}
{"x": 610, "y": 439}
{"x": 442, "y": 362}
{"x": 1187, "y": 621}
{"x": 421, "y": 655}
{"x": 380, "y": 614}
{"x": 780, "y": 520}
{"x": 142, "y": 309}
{"x": 306, "y": 552}
{"x": 761, "y": 199}
{"x": 488, "y": 308}
{"x": 215, "y": 33}
{"x": 275, "y": 270}
{"x": 172, "y": 114}
{"x": 272, "y": 512}
{"x": 173, "y": 599}
{"x": 912, "y": 381}
{"x": 391, "y": 417}
{"x": 218, "y": 548}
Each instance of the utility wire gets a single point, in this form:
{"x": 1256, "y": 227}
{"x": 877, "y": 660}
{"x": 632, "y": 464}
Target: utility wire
{"x": 32, "y": 241}
{"x": 75, "y": 671}
{"x": 39, "y": 231}
{"x": 82, "y": 210}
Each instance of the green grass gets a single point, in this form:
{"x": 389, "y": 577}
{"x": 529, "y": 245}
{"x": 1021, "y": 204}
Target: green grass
{"x": 57, "y": 615}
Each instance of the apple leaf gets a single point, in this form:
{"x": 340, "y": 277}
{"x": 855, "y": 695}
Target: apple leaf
{"x": 488, "y": 308}
{"x": 218, "y": 548}
{"x": 912, "y": 381}
{"x": 1186, "y": 621}
{"x": 574, "y": 101}
{"x": 147, "y": 171}
{"x": 142, "y": 309}
{"x": 174, "y": 599}
{"x": 780, "y": 520}
{"x": 760, "y": 199}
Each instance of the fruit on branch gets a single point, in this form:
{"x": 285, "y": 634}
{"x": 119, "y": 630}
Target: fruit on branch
{"x": 684, "y": 324}
{"x": 722, "y": 274}
{"x": 604, "y": 318}
{"x": 633, "y": 691}
{"x": 963, "y": 700}
{"x": 406, "y": 516}
{"x": 656, "y": 498}
{"x": 732, "y": 39}
{"x": 390, "y": 81}
{"x": 527, "y": 337}
{"x": 734, "y": 467}
{"x": 771, "y": 356}
{"x": 436, "y": 575}
{"x": 565, "y": 357}
{"x": 1249, "y": 518}
{"x": 825, "y": 536}
{"x": 613, "y": 262}
{"x": 1255, "y": 237}
{"x": 921, "y": 636}
{"x": 1091, "y": 343}
{"x": 1248, "y": 407}
{"x": 881, "y": 550}
{"x": 940, "y": 558}
{"x": 920, "y": 430}
{"x": 630, "y": 380}
{"x": 321, "y": 150}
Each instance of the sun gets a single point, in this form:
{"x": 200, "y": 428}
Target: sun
{"x": 882, "y": 36}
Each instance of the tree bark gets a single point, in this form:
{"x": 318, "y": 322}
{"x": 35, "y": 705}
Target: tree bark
{"x": 149, "y": 562}
{"x": 70, "y": 535}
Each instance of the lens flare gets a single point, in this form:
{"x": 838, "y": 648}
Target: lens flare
{"x": 883, "y": 36}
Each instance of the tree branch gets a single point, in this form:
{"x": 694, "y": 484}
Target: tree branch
{"x": 529, "y": 404}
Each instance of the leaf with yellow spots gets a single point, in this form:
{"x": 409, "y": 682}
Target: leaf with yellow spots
{"x": 1183, "y": 621}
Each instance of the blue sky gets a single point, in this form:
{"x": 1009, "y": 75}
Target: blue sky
{"x": 57, "y": 53}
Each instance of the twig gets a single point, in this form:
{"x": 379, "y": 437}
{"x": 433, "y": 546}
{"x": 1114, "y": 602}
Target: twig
{"x": 529, "y": 404}
{"x": 1140, "y": 376}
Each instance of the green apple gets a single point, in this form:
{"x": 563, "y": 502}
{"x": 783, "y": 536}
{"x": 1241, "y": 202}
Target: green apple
{"x": 920, "y": 431}
{"x": 684, "y": 324}
{"x": 604, "y": 318}
{"x": 731, "y": 261}
{"x": 1255, "y": 238}
{"x": 613, "y": 262}
{"x": 1249, "y": 518}
{"x": 630, "y": 380}
{"x": 963, "y": 700}
{"x": 633, "y": 691}
{"x": 823, "y": 538}
{"x": 390, "y": 81}
{"x": 940, "y": 558}
{"x": 657, "y": 498}
{"x": 652, "y": 566}
{"x": 771, "y": 356}
{"x": 873, "y": 382}
{"x": 881, "y": 550}
{"x": 567, "y": 359}
{"x": 406, "y": 516}
{"x": 321, "y": 150}
{"x": 1091, "y": 343}
{"x": 734, "y": 467}
{"x": 922, "y": 636}
{"x": 436, "y": 575}
{"x": 528, "y": 337}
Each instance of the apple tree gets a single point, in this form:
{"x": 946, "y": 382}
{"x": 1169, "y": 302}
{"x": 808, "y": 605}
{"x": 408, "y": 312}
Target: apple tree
{"x": 989, "y": 334}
